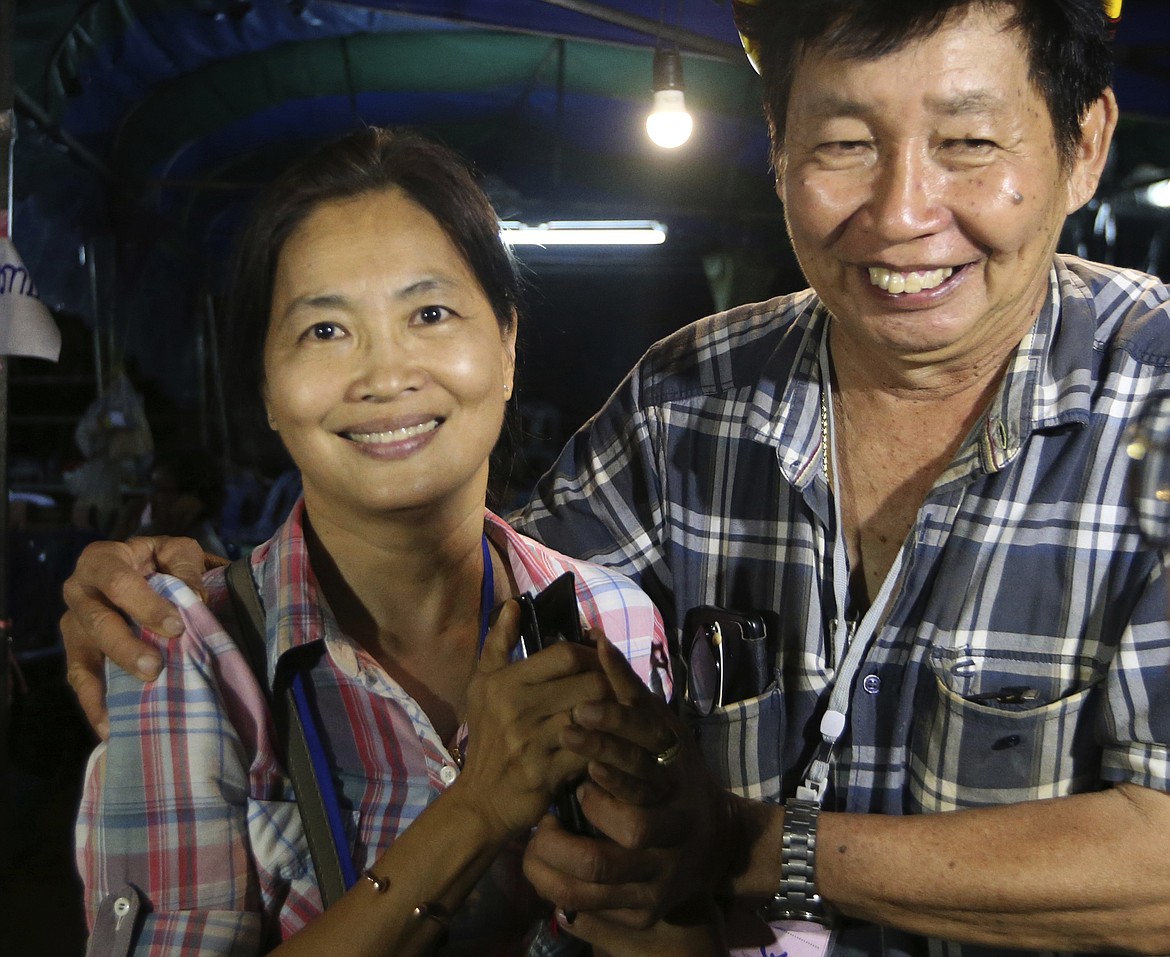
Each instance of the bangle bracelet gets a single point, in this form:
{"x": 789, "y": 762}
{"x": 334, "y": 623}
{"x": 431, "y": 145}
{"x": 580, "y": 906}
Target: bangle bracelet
{"x": 436, "y": 912}
{"x": 427, "y": 910}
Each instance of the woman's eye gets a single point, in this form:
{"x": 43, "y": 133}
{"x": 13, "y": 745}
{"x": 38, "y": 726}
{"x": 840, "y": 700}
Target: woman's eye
{"x": 323, "y": 331}
{"x": 429, "y": 315}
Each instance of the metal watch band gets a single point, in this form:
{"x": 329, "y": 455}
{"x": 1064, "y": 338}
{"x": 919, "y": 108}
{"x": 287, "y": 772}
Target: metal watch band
{"x": 797, "y": 898}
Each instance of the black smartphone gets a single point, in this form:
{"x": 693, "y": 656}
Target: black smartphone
{"x": 726, "y": 656}
{"x": 550, "y": 616}
{"x": 547, "y": 617}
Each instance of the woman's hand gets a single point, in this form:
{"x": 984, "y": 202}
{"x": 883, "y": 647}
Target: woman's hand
{"x": 516, "y": 715}
{"x": 108, "y": 583}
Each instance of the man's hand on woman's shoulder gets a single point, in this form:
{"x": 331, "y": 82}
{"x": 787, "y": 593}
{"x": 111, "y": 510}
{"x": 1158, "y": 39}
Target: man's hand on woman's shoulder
{"x": 107, "y": 587}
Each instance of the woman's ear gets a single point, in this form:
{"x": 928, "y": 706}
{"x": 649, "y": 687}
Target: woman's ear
{"x": 1097, "y": 126}
{"x": 509, "y": 357}
{"x": 267, "y": 408}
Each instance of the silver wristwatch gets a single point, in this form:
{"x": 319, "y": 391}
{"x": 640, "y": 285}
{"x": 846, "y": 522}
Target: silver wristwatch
{"x": 797, "y": 898}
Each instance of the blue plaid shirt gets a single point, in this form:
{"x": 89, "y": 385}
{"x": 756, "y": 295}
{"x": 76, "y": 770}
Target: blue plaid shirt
{"x": 702, "y": 479}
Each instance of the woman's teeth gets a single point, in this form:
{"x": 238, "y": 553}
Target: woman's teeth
{"x": 394, "y": 435}
{"x": 899, "y": 282}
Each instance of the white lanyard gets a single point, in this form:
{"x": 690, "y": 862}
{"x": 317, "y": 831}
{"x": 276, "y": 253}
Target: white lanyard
{"x": 852, "y": 646}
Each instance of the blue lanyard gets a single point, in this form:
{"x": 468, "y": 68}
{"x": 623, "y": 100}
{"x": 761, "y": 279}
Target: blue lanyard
{"x": 321, "y": 769}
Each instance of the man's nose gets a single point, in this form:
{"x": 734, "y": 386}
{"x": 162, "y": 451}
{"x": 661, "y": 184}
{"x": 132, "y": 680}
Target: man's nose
{"x": 906, "y": 198}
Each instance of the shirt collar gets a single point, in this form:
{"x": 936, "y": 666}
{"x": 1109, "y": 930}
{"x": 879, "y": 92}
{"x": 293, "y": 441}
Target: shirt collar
{"x": 288, "y": 585}
{"x": 1047, "y": 384}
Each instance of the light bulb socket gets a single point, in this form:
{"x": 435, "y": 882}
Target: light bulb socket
{"x": 668, "y": 72}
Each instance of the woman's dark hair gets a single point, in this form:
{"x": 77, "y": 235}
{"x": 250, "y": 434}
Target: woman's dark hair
{"x": 1069, "y": 58}
{"x": 368, "y": 160}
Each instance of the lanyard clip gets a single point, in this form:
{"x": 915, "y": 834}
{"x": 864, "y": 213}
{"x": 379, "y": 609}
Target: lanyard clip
{"x": 817, "y": 776}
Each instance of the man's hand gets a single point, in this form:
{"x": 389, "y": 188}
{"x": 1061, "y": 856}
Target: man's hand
{"x": 672, "y": 830}
{"x": 696, "y": 933}
{"x": 108, "y": 583}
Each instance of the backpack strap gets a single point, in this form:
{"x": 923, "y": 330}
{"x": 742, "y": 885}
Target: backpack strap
{"x": 249, "y": 634}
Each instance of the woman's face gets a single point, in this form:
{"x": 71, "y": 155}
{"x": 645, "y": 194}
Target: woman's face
{"x": 386, "y": 371}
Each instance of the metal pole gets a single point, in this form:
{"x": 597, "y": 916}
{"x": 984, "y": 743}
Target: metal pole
{"x": 684, "y": 39}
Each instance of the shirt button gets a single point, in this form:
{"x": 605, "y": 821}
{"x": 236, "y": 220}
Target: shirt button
{"x": 448, "y": 774}
{"x": 872, "y": 684}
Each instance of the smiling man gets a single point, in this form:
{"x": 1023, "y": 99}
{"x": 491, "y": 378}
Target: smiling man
{"x": 915, "y": 470}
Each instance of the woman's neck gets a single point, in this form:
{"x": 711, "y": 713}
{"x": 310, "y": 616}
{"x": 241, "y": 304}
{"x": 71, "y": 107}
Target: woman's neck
{"x": 411, "y": 594}
{"x": 398, "y": 582}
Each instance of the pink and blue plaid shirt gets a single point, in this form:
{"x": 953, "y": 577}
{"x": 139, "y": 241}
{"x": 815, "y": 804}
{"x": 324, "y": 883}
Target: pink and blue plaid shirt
{"x": 188, "y": 800}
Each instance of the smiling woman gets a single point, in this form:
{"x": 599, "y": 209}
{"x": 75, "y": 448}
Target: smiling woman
{"x": 374, "y": 314}
{"x": 387, "y": 370}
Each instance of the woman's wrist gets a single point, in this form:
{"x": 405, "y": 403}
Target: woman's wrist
{"x": 478, "y": 815}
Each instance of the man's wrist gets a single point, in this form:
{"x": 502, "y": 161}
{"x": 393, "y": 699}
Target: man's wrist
{"x": 797, "y": 897}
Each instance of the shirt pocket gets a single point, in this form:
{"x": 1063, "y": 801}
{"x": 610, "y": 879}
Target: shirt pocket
{"x": 987, "y": 731}
{"x": 741, "y": 744}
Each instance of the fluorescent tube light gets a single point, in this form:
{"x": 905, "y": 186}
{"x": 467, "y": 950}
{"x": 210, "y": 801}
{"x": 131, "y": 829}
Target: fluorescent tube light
{"x": 600, "y": 232}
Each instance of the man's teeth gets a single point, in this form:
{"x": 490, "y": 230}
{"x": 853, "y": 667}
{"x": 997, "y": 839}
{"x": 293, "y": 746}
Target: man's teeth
{"x": 899, "y": 282}
{"x": 394, "y": 435}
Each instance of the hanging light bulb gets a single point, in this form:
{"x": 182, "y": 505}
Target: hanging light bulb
{"x": 669, "y": 124}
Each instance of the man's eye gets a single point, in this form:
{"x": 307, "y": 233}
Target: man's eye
{"x": 971, "y": 144}
{"x": 844, "y": 146}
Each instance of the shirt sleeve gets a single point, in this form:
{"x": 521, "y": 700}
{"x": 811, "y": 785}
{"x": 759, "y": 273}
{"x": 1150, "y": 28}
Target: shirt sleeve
{"x": 602, "y": 500}
{"x": 1136, "y": 714}
{"x": 165, "y": 802}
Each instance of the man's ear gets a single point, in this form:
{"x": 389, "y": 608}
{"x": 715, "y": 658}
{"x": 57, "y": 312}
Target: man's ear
{"x": 1097, "y": 126}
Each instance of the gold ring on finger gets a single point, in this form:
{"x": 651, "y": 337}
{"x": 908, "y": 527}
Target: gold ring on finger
{"x": 669, "y": 755}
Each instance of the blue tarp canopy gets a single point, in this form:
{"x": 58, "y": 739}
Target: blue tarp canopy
{"x": 175, "y": 110}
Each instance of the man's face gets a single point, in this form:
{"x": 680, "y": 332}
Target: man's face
{"x": 924, "y": 193}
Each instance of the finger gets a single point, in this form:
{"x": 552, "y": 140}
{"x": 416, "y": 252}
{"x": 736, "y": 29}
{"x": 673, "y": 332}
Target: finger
{"x": 648, "y": 725}
{"x": 91, "y": 626}
{"x": 501, "y": 639}
{"x": 619, "y": 753}
{"x": 608, "y": 929}
{"x": 567, "y": 863}
{"x": 633, "y": 826}
{"x": 628, "y": 788}
{"x": 87, "y": 678}
{"x": 627, "y": 686}
{"x": 184, "y": 558}
{"x": 111, "y": 577}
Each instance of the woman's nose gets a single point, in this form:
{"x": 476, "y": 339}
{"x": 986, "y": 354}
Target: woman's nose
{"x": 386, "y": 370}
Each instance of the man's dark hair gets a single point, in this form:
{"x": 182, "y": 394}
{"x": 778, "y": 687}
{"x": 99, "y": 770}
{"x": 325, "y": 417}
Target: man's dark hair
{"x": 369, "y": 160}
{"x": 1067, "y": 45}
